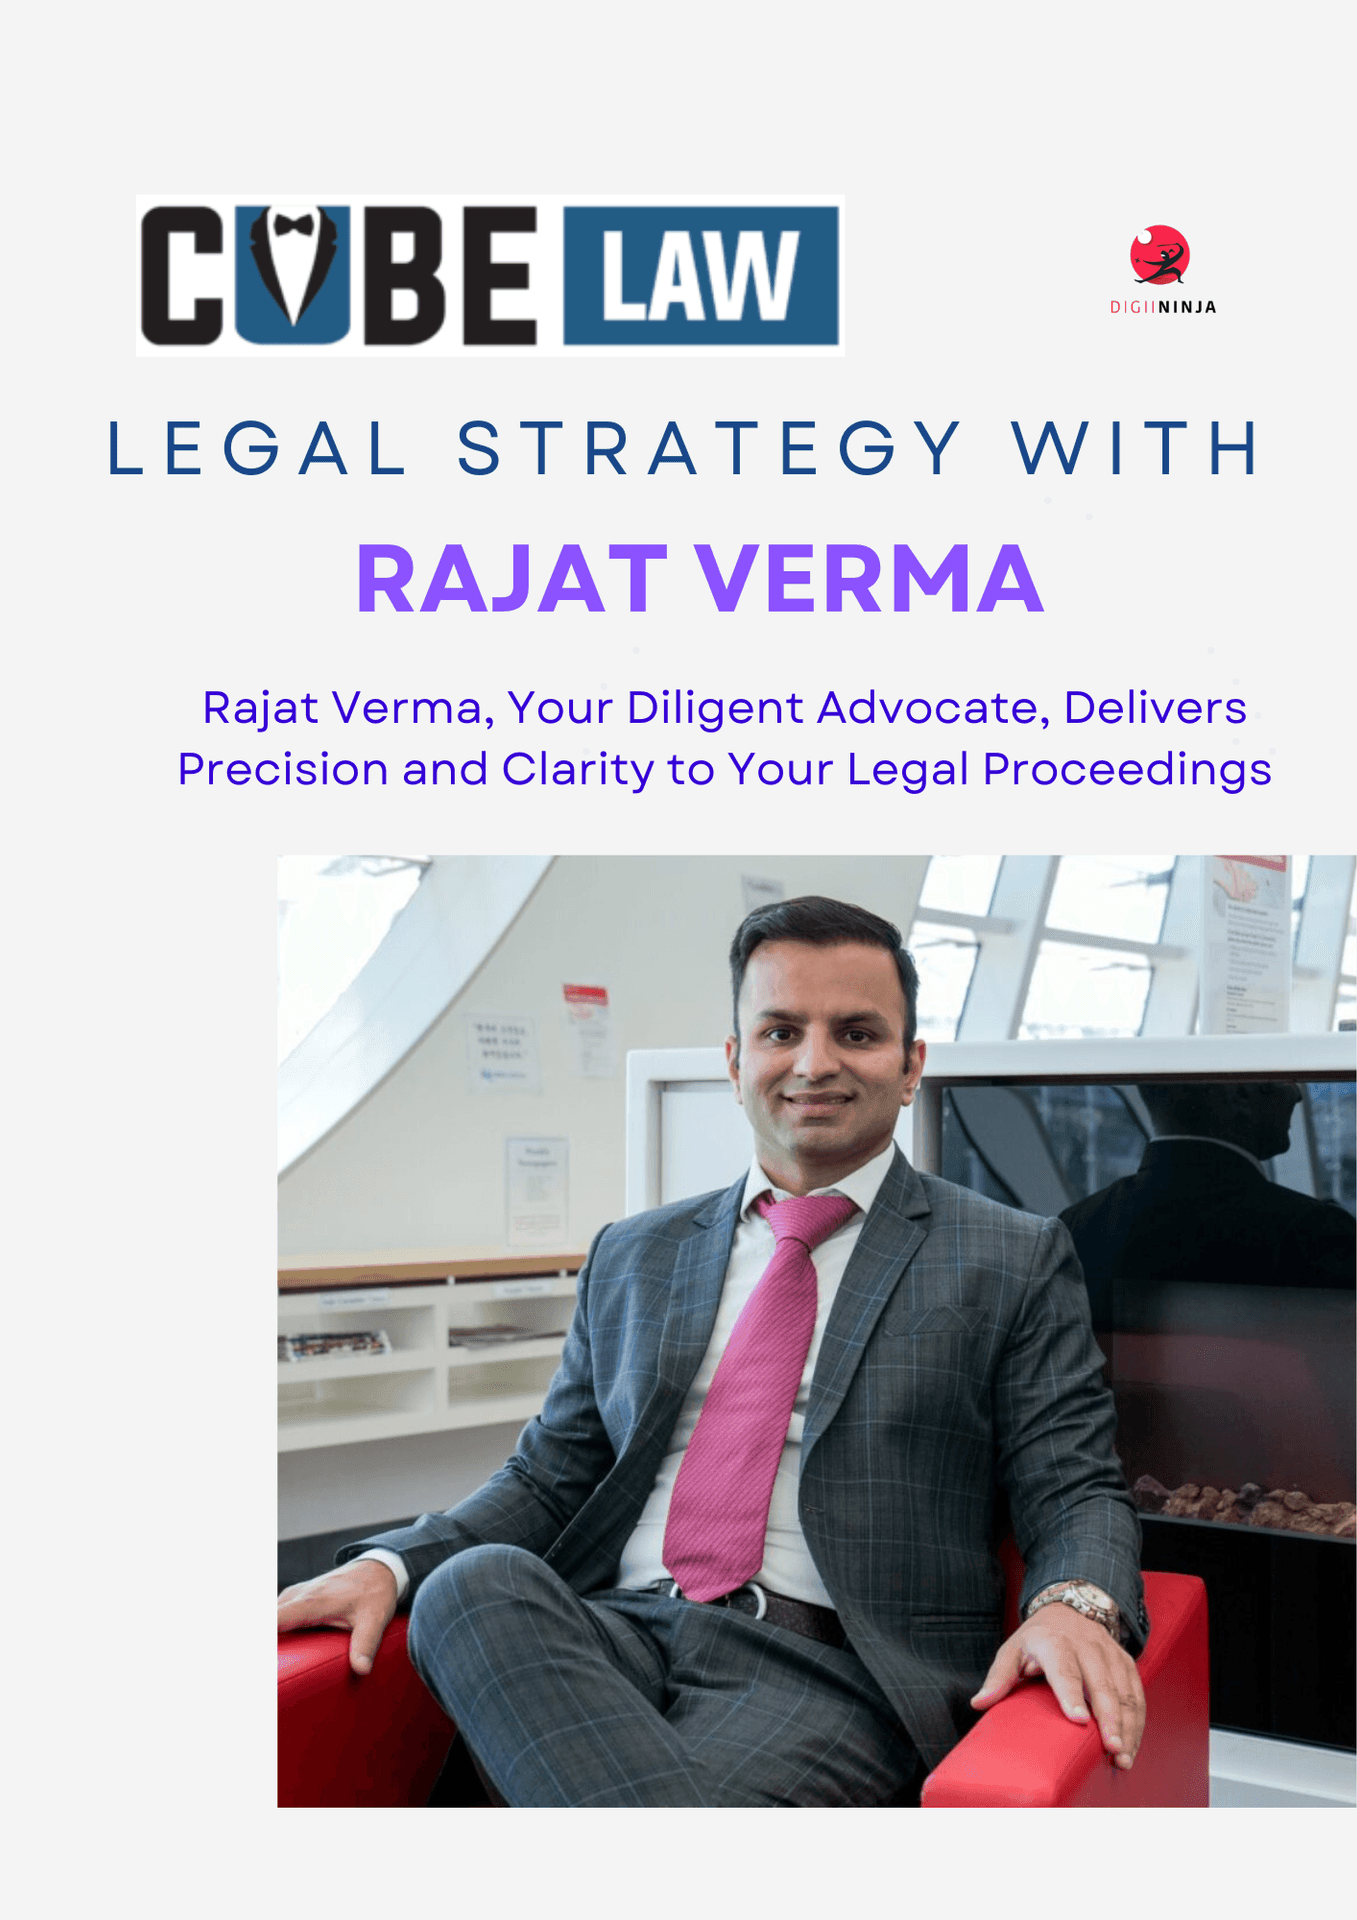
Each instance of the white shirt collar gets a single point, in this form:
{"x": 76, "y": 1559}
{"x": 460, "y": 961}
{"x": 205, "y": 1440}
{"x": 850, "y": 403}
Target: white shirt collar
{"x": 1208, "y": 1140}
{"x": 861, "y": 1186}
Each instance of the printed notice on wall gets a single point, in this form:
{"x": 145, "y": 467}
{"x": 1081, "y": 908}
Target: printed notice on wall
{"x": 537, "y": 1192}
{"x": 593, "y": 1046}
{"x": 1246, "y": 944}
{"x": 502, "y": 1054}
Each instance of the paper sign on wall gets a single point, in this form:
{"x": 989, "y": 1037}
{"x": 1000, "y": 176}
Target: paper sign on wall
{"x": 537, "y": 1192}
{"x": 502, "y": 1053}
{"x": 1246, "y": 944}
{"x": 593, "y": 1050}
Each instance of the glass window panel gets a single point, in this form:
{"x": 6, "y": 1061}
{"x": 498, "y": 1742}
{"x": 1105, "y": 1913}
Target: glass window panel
{"x": 1122, "y": 895}
{"x": 1331, "y": 1107}
{"x": 960, "y": 882}
{"x": 946, "y": 962}
{"x": 334, "y": 911}
{"x": 1300, "y": 874}
{"x": 1079, "y": 991}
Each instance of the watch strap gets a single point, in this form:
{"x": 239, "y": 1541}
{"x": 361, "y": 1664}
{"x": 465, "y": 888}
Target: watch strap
{"x": 1081, "y": 1596}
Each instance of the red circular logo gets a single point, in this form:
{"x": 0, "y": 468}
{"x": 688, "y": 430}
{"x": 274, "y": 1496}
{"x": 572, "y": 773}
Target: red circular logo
{"x": 1159, "y": 256}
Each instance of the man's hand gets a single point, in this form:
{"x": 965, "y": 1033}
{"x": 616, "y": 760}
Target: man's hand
{"x": 360, "y": 1596}
{"x": 1082, "y": 1664}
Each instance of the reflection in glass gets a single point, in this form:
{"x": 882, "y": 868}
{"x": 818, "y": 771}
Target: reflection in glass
{"x": 1222, "y": 1298}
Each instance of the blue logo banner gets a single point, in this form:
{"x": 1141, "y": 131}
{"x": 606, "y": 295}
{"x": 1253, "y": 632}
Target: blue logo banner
{"x": 702, "y": 276}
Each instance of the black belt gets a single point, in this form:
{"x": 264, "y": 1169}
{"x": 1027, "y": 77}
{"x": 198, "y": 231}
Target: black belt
{"x": 797, "y": 1616}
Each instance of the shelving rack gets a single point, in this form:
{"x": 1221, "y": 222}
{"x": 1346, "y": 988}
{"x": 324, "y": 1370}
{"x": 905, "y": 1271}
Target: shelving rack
{"x": 423, "y": 1385}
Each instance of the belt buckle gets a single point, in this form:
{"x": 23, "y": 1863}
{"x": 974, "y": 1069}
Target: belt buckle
{"x": 750, "y": 1586}
{"x": 760, "y": 1597}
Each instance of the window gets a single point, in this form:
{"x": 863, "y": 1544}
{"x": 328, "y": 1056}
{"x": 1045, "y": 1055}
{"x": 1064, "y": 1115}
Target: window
{"x": 946, "y": 961}
{"x": 334, "y": 911}
{"x": 1083, "y": 992}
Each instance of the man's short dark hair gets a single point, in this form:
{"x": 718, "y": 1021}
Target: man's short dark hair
{"x": 818, "y": 922}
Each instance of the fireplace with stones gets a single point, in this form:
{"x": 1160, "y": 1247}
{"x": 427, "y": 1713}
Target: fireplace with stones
{"x": 1235, "y": 1426}
{"x": 1213, "y": 1216}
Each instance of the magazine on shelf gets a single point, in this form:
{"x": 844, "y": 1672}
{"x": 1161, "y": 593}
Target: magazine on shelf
{"x": 333, "y": 1346}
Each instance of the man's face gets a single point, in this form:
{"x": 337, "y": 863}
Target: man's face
{"x": 820, "y": 1067}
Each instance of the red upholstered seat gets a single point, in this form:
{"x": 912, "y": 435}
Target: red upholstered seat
{"x": 380, "y": 1741}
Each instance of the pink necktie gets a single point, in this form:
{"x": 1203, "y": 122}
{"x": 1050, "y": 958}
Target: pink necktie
{"x": 718, "y": 1512}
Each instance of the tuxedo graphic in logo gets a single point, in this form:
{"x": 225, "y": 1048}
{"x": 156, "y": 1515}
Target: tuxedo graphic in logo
{"x": 292, "y": 275}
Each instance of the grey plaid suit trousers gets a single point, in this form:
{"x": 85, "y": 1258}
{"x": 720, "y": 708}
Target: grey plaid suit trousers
{"x": 626, "y": 1699}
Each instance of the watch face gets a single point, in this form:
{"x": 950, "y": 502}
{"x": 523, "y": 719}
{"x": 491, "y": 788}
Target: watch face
{"x": 1095, "y": 1596}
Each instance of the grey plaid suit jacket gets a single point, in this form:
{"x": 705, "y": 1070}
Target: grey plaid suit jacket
{"x": 957, "y": 1365}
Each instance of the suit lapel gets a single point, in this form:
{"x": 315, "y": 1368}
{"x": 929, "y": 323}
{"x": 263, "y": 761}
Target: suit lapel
{"x": 892, "y": 1234}
{"x": 261, "y": 246}
{"x": 593, "y": 1539}
{"x": 694, "y": 1296}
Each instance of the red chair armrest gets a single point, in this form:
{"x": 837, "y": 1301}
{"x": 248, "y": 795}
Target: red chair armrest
{"x": 1025, "y": 1753}
{"x": 346, "y": 1741}
{"x": 380, "y": 1741}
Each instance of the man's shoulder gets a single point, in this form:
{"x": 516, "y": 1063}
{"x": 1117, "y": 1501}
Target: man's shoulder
{"x": 953, "y": 1204}
{"x": 672, "y": 1222}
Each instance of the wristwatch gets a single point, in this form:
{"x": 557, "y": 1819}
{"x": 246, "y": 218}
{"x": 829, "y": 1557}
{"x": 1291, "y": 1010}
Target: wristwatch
{"x": 1084, "y": 1598}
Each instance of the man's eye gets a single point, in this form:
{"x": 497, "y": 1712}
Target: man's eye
{"x": 778, "y": 1033}
{"x": 860, "y": 1036}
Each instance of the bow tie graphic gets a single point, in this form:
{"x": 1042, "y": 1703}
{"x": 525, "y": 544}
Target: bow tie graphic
{"x": 283, "y": 225}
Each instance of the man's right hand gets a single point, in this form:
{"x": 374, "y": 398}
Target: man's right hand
{"x": 360, "y": 1597}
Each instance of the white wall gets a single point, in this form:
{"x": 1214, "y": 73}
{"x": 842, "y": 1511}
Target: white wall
{"x": 418, "y": 1168}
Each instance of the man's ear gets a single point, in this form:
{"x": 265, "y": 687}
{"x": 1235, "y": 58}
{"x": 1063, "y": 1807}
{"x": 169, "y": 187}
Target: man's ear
{"x": 914, "y": 1067}
{"x": 733, "y": 1062}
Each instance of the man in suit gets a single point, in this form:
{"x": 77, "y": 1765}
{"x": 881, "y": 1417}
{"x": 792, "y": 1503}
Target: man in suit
{"x": 1200, "y": 1207}
{"x": 649, "y": 1605}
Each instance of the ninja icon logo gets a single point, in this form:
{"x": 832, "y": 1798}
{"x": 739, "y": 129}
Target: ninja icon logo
{"x": 292, "y": 275}
{"x": 1159, "y": 256}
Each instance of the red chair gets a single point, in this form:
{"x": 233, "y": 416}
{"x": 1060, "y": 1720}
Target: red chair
{"x": 381, "y": 1741}
{"x": 1025, "y": 1753}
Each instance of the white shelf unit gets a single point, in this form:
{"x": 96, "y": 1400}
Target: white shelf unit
{"x": 423, "y": 1385}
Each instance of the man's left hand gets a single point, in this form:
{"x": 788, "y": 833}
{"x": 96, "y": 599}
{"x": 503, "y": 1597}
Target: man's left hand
{"x": 1085, "y": 1669}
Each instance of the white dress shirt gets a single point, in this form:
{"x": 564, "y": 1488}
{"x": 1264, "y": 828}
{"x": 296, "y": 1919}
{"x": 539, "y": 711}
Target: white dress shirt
{"x": 787, "y": 1565}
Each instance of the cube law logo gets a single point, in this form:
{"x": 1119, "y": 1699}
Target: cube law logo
{"x": 701, "y": 276}
{"x": 292, "y": 275}
{"x": 451, "y": 276}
